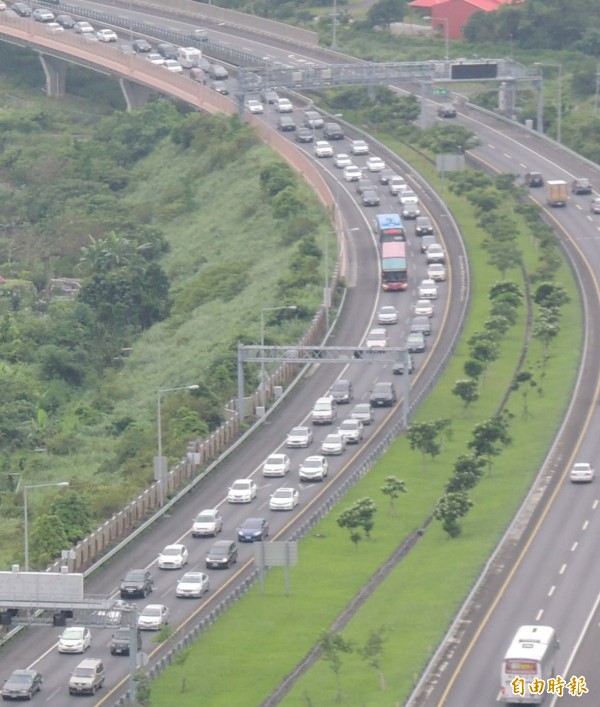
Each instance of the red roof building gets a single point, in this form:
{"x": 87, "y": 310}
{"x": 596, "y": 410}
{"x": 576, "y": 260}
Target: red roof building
{"x": 450, "y": 16}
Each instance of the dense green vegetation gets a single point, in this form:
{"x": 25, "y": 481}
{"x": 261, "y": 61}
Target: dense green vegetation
{"x": 179, "y": 227}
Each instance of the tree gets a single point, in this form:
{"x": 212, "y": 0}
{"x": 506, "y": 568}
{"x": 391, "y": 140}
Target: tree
{"x": 466, "y": 390}
{"x": 550, "y": 296}
{"x": 332, "y": 645}
{"x": 468, "y": 469}
{"x": 422, "y": 436}
{"x": 372, "y": 652}
{"x": 392, "y": 488}
{"x": 504, "y": 255}
{"x": 450, "y": 509}
{"x": 359, "y": 516}
{"x": 384, "y": 12}
{"x": 474, "y": 367}
{"x": 506, "y": 287}
{"x": 525, "y": 380}
{"x": 74, "y": 513}
{"x": 48, "y": 539}
{"x": 489, "y": 437}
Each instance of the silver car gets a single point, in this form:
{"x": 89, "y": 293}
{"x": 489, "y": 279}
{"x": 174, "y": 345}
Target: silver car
{"x": 362, "y": 412}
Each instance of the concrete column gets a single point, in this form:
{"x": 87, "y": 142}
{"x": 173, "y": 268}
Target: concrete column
{"x": 56, "y": 74}
{"x": 135, "y": 94}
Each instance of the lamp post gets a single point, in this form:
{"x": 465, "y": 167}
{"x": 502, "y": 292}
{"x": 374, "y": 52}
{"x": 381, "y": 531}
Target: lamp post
{"x": 291, "y": 307}
{"x": 446, "y": 35}
{"x": 559, "y": 98}
{"x": 334, "y": 26}
{"x": 26, "y": 515}
{"x": 326, "y": 289}
{"x": 160, "y": 461}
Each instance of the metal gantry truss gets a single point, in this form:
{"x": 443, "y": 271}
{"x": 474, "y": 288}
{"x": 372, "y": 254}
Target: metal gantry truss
{"x": 355, "y": 355}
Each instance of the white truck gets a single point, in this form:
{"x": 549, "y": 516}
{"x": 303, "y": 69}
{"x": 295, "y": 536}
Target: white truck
{"x": 556, "y": 192}
{"x": 189, "y": 57}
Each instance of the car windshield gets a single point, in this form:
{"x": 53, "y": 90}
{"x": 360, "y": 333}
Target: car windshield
{"x": 348, "y": 425}
{"x": 20, "y": 678}
{"x": 282, "y": 493}
{"x": 241, "y": 485}
{"x": 151, "y": 611}
{"x": 171, "y": 551}
{"x": 362, "y": 407}
{"x": 298, "y": 432}
{"x": 134, "y": 576}
{"x": 83, "y": 673}
{"x": 313, "y": 463}
{"x": 275, "y": 459}
{"x": 205, "y": 518}
{"x": 72, "y": 633}
{"x": 191, "y": 578}
{"x": 253, "y": 524}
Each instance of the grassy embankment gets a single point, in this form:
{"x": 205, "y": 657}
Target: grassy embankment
{"x": 262, "y": 638}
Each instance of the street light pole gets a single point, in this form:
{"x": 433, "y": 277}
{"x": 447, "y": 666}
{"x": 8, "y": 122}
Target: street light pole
{"x": 559, "y": 98}
{"x": 159, "y": 467}
{"x": 292, "y": 307}
{"x": 26, "y": 514}
{"x": 334, "y": 26}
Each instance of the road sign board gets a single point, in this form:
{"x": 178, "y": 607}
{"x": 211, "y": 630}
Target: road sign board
{"x": 440, "y": 91}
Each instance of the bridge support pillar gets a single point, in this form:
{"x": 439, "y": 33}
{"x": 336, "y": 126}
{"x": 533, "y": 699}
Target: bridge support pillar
{"x": 135, "y": 94}
{"x": 56, "y": 75}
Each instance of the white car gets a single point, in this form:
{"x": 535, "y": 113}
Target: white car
{"x": 314, "y": 468}
{"x": 241, "y": 491}
{"x": 342, "y": 160}
{"x": 106, "y": 35}
{"x": 359, "y": 147}
{"x": 173, "y": 66}
{"x": 155, "y": 59}
{"x": 299, "y": 437}
{"x": 323, "y": 149}
{"x": 284, "y": 499}
{"x": 387, "y": 315}
{"x": 284, "y": 105}
{"x": 207, "y": 522}
{"x": 276, "y": 465}
{"x": 352, "y": 173}
{"x": 192, "y": 584}
{"x": 333, "y": 444}
{"x": 362, "y": 412}
{"x": 75, "y": 639}
{"x": 407, "y": 197}
{"x": 582, "y": 472}
{"x": 424, "y": 308}
{"x": 375, "y": 164}
{"x": 54, "y": 27}
{"x": 153, "y": 617}
{"x": 428, "y": 290}
{"x": 435, "y": 253}
{"x": 254, "y": 106}
{"x": 83, "y": 27}
{"x": 173, "y": 557}
{"x": 351, "y": 430}
{"x": 436, "y": 272}
{"x": 40, "y": 14}
{"x": 377, "y": 339}
{"x": 397, "y": 184}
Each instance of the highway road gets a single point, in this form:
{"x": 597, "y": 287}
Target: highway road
{"x": 37, "y": 646}
{"x": 557, "y": 581}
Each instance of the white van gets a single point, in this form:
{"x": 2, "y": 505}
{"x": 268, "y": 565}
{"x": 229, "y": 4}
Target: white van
{"x": 189, "y": 56}
{"x": 324, "y": 411}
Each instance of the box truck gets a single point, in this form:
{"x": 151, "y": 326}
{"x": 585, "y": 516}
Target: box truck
{"x": 556, "y": 192}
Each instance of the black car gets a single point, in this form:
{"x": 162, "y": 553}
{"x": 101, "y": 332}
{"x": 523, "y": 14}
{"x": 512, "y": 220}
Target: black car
{"x": 341, "y": 391}
{"x": 121, "y": 640}
{"x": 137, "y": 583}
{"x": 398, "y": 367}
{"x": 385, "y": 175}
{"x": 447, "y": 110}
{"x": 168, "y": 51}
{"x": 222, "y": 554}
{"x": 333, "y": 131}
{"x": 22, "y": 9}
{"x": 370, "y": 197}
{"x": 410, "y": 211}
{"x": 65, "y": 21}
{"x": 269, "y": 96}
{"x": 253, "y": 530}
{"x": 363, "y": 184}
{"x": 579, "y": 186}
{"x": 285, "y": 123}
{"x": 423, "y": 226}
{"x": 304, "y": 135}
{"x": 534, "y": 179}
{"x": 382, "y": 395}
{"x": 141, "y": 46}
{"x": 22, "y": 684}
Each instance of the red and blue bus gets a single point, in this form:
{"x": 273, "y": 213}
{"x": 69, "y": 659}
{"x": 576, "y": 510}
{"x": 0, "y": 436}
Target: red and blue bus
{"x": 394, "y": 273}
{"x": 389, "y": 227}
